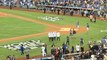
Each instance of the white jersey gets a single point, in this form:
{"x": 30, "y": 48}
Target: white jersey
{"x": 49, "y": 34}
{"x": 77, "y": 48}
{"x": 58, "y": 34}
{"x": 43, "y": 51}
{"x": 54, "y": 34}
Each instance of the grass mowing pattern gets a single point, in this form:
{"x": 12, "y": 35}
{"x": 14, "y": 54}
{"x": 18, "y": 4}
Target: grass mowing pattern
{"x": 13, "y": 27}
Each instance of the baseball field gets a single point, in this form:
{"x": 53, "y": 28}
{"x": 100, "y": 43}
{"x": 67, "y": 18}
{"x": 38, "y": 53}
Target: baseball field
{"x": 19, "y": 26}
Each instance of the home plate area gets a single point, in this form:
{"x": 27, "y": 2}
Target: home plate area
{"x": 3, "y": 14}
{"x": 68, "y": 29}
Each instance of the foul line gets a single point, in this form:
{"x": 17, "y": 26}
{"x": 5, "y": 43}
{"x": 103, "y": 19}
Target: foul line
{"x": 32, "y": 35}
{"x": 54, "y": 26}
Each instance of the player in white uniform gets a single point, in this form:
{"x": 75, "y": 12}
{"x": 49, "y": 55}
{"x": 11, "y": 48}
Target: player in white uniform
{"x": 58, "y": 36}
{"x": 43, "y": 51}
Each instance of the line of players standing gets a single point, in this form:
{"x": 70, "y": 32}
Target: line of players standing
{"x": 54, "y": 36}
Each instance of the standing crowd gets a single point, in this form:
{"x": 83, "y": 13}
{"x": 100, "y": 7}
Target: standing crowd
{"x": 87, "y": 6}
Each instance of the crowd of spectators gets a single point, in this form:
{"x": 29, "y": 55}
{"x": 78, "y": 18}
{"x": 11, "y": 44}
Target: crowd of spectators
{"x": 11, "y": 57}
{"x": 97, "y": 50}
{"x": 93, "y": 4}
{"x": 86, "y": 5}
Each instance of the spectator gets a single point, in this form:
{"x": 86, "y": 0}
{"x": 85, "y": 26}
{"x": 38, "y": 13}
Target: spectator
{"x": 53, "y": 51}
{"x": 66, "y": 51}
{"x": 13, "y": 57}
{"x": 8, "y": 57}
{"x": 72, "y": 49}
{"x": 105, "y": 56}
{"x": 46, "y": 48}
{"x": 22, "y": 49}
{"x": 64, "y": 46}
{"x": 94, "y": 17}
{"x": 91, "y": 18}
{"x": 67, "y": 41}
{"x": 44, "y": 9}
{"x": 82, "y": 13}
{"x": 64, "y": 11}
{"x": 43, "y": 51}
{"x": 82, "y": 49}
{"x": 27, "y": 51}
{"x": 81, "y": 41}
{"x": 93, "y": 57}
{"x": 77, "y": 48}
{"x": 58, "y": 11}
{"x": 71, "y": 12}
{"x": 103, "y": 40}
{"x": 53, "y": 45}
{"x": 57, "y": 54}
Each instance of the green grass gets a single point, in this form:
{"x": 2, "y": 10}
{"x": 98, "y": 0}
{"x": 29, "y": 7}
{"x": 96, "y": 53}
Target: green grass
{"x": 93, "y": 34}
{"x": 34, "y": 15}
{"x": 13, "y": 27}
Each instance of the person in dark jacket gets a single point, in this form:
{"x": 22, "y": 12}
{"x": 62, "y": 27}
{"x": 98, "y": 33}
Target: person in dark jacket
{"x": 94, "y": 16}
{"x": 10, "y": 5}
{"x": 53, "y": 51}
{"x": 71, "y": 12}
{"x": 57, "y": 54}
{"x": 82, "y": 49}
{"x": 82, "y": 13}
{"x": 58, "y": 11}
{"x": 22, "y": 49}
{"x": 67, "y": 41}
{"x": 81, "y": 41}
{"x": 64, "y": 11}
{"x": 64, "y": 46}
{"x": 44, "y": 10}
{"x": 72, "y": 49}
{"x": 27, "y": 51}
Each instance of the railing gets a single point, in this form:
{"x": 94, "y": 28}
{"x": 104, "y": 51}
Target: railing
{"x": 71, "y": 56}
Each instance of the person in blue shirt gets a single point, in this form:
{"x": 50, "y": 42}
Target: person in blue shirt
{"x": 22, "y": 49}
{"x": 72, "y": 49}
{"x": 104, "y": 40}
{"x": 64, "y": 46}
